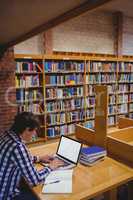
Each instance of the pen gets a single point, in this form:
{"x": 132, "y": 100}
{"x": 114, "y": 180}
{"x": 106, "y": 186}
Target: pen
{"x": 52, "y": 182}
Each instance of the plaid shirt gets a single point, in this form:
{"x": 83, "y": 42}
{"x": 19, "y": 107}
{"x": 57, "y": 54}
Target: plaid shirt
{"x": 15, "y": 163}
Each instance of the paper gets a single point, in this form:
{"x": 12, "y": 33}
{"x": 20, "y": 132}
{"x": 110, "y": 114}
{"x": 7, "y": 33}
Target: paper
{"x": 58, "y": 182}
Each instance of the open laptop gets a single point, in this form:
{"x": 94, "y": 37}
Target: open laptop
{"x": 68, "y": 150}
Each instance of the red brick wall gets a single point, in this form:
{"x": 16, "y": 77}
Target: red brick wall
{"x": 7, "y": 90}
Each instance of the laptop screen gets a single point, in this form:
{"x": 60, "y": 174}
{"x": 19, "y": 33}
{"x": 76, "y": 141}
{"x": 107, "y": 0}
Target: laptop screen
{"x": 69, "y": 149}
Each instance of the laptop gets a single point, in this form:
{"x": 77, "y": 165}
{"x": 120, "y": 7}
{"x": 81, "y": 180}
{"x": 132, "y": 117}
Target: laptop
{"x": 68, "y": 151}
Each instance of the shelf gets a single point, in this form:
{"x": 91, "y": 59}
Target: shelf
{"x": 51, "y": 93}
{"x": 27, "y": 73}
{"x": 66, "y": 72}
{"x": 64, "y": 98}
{"x": 30, "y": 101}
{"x": 31, "y": 87}
{"x": 69, "y": 122}
{"x": 74, "y": 85}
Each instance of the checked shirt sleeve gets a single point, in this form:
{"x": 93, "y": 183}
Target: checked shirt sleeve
{"x": 23, "y": 161}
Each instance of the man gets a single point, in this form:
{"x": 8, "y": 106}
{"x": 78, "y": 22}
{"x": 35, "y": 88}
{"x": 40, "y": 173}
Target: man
{"x": 17, "y": 163}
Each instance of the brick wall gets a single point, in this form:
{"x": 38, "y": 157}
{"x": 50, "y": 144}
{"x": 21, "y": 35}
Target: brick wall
{"x": 7, "y": 90}
{"x": 91, "y": 32}
{"x": 128, "y": 36}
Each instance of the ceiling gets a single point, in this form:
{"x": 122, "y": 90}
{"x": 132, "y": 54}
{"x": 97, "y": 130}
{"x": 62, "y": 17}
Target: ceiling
{"x": 20, "y": 20}
{"x": 124, "y": 6}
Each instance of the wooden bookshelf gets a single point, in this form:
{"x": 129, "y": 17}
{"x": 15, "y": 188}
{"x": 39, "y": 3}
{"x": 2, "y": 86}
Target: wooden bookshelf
{"x": 29, "y": 88}
{"x": 66, "y": 83}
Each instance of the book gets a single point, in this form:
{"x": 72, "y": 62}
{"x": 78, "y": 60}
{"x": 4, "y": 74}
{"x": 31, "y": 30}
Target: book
{"x": 92, "y": 151}
{"x": 58, "y": 182}
{"x": 93, "y": 162}
{"x": 92, "y": 158}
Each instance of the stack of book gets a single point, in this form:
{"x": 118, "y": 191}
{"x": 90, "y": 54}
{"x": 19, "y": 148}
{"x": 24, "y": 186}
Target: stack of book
{"x": 91, "y": 155}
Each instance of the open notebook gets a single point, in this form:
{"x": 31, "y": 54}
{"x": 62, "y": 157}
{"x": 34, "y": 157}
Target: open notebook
{"x": 58, "y": 182}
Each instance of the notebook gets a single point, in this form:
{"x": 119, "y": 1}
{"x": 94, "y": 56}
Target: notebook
{"x": 58, "y": 182}
{"x": 68, "y": 150}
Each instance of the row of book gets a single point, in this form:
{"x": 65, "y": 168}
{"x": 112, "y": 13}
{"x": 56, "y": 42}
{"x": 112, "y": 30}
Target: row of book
{"x": 61, "y": 130}
{"x": 112, "y": 99}
{"x": 64, "y": 92}
{"x": 90, "y": 124}
{"x": 78, "y": 91}
{"x": 91, "y": 155}
{"x": 101, "y": 67}
{"x": 65, "y": 105}
{"x": 131, "y": 107}
{"x": 111, "y": 109}
{"x": 100, "y": 78}
{"x": 64, "y": 80}
{"x": 90, "y": 101}
{"x": 62, "y": 118}
{"x": 125, "y": 67}
{"x": 123, "y": 108}
{"x": 90, "y": 90}
{"x": 123, "y": 88}
{"x": 27, "y": 81}
{"x": 32, "y": 95}
{"x": 34, "y": 108}
{"x": 131, "y": 97}
{"x": 90, "y": 113}
{"x": 122, "y": 98}
{"x": 125, "y": 78}
{"x": 111, "y": 120}
{"x": 61, "y": 66}
{"x": 22, "y": 67}
{"x": 110, "y": 67}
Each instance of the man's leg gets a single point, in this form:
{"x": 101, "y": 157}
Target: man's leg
{"x": 26, "y": 195}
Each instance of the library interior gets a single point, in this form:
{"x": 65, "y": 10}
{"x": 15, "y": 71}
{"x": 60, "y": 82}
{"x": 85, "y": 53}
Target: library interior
{"x": 66, "y": 82}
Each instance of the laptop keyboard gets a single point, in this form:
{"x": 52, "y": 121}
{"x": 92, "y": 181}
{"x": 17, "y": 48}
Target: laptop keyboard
{"x": 65, "y": 162}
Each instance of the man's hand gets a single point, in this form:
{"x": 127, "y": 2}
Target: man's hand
{"x": 46, "y": 158}
{"x": 56, "y": 163}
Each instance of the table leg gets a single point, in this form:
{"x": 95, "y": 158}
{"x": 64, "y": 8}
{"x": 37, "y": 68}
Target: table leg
{"x": 111, "y": 194}
{"x": 130, "y": 190}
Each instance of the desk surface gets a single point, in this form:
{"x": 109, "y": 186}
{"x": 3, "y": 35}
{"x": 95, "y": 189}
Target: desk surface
{"x": 88, "y": 182}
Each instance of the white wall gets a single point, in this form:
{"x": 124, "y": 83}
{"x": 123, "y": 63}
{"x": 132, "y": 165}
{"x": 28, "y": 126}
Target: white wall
{"x": 91, "y": 32}
{"x": 33, "y": 45}
{"x": 128, "y": 36}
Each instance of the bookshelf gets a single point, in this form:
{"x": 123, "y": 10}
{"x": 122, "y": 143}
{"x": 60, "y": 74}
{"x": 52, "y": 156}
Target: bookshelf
{"x": 59, "y": 89}
{"x": 64, "y": 94}
{"x": 29, "y": 78}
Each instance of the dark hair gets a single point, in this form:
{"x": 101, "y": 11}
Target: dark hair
{"x": 24, "y": 120}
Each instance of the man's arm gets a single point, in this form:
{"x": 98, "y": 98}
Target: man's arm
{"x": 23, "y": 161}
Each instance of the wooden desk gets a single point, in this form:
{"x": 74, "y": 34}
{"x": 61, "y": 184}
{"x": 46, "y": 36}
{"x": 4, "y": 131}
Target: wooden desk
{"x": 88, "y": 182}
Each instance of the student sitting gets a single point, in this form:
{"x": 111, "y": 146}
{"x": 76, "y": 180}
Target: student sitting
{"x": 17, "y": 163}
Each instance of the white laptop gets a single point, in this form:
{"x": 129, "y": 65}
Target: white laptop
{"x": 68, "y": 150}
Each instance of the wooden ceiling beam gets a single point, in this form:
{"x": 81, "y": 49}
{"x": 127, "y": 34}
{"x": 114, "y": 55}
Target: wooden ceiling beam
{"x": 88, "y": 5}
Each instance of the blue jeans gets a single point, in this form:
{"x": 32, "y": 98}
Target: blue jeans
{"x": 26, "y": 195}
